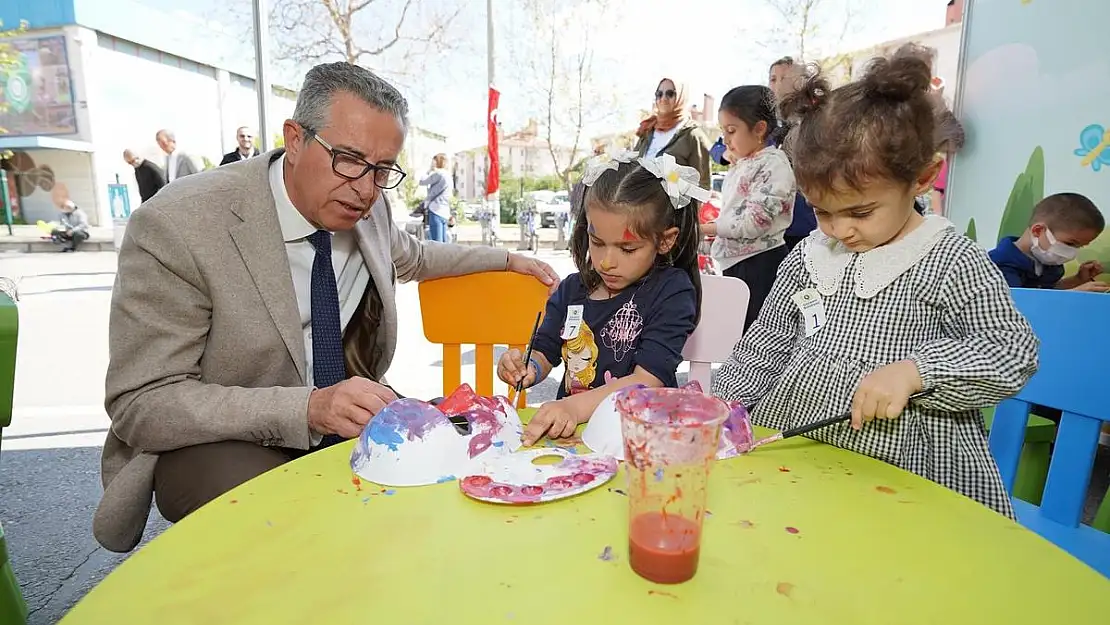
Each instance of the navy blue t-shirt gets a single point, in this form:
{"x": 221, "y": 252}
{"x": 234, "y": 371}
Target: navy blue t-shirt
{"x": 645, "y": 325}
{"x": 1022, "y": 271}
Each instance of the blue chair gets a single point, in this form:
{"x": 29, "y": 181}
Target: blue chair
{"x": 1073, "y": 377}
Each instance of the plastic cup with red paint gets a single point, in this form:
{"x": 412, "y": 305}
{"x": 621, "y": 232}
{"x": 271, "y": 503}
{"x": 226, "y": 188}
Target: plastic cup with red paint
{"x": 670, "y": 440}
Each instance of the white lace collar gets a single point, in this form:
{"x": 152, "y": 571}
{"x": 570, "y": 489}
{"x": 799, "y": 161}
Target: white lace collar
{"x": 826, "y": 258}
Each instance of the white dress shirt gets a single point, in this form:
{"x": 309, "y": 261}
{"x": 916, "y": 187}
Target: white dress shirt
{"x": 351, "y": 273}
{"x": 171, "y": 166}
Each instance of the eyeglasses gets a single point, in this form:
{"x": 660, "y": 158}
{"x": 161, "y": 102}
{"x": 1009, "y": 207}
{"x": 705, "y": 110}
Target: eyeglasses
{"x": 669, "y": 94}
{"x": 351, "y": 167}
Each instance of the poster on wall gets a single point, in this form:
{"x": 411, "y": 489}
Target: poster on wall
{"x": 36, "y": 97}
{"x": 1037, "y": 119}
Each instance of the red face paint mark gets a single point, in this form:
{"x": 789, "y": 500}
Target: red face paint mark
{"x": 792, "y": 530}
{"x": 357, "y": 482}
{"x": 629, "y": 236}
{"x": 885, "y": 489}
{"x": 784, "y": 588}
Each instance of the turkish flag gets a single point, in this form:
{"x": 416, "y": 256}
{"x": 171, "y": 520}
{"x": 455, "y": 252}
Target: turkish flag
{"x": 493, "y": 176}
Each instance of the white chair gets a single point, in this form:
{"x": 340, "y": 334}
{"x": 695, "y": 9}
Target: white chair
{"x": 724, "y": 302}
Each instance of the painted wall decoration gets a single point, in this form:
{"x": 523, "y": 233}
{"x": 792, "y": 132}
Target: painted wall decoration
{"x": 36, "y": 92}
{"x": 1036, "y": 122}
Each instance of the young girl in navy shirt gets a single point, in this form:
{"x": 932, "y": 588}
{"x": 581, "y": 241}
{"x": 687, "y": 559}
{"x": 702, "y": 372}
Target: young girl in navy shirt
{"x": 624, "y": 317}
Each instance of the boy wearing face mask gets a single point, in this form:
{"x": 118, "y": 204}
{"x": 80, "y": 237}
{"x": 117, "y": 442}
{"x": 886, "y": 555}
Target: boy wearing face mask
{"x": 1061, "y": 224}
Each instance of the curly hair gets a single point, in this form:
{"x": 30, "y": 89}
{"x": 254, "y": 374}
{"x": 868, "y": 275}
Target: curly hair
{"x": 886, "y": 125}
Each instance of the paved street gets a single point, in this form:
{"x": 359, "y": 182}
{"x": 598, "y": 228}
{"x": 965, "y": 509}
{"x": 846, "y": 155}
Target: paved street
{"x": 49, "y": 469}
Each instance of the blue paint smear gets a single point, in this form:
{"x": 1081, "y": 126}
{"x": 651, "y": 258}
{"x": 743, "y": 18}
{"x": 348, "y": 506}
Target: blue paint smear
{"x": 497, "y": 444}
{"x": 446, "y": 478}
{"x": 659, "y": 474}
{"x": 390, "y": 492}
{"x": 366, "y": 500}
{"x": 384, "y": 433}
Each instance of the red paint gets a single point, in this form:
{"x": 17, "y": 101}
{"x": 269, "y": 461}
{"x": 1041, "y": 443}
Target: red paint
{"x": 664, "y": 549}
{"x": 792, "y": 530}
{"x": 357, "y": 482}
{"x": 629, "y": 235}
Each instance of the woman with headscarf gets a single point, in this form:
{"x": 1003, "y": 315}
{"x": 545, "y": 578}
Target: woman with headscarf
{"x": 671, "y": 131}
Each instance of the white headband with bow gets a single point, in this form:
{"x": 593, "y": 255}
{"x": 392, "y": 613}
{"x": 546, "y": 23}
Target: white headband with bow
{"x": 679, "y": 181}
{"x": 607, "y": 160}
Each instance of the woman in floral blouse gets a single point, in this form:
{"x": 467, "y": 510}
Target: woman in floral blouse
{"x": 757, "y": 195}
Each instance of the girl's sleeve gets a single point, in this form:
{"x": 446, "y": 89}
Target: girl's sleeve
{"x": 750, "y": 215}
{"x": 548, "y": 337}
{"x": 990, "y": 351}
{"x": 667, "y": 325}
{"x": 759, "y": 359}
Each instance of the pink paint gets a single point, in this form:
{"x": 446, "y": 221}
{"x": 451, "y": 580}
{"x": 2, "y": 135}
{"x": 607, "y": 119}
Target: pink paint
{"x": 483, "y": 413}
{"x": 576, "y": 474}
{"x": 792, "y": 530}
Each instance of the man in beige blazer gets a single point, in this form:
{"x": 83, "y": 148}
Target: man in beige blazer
{"x": 254, "y": 312}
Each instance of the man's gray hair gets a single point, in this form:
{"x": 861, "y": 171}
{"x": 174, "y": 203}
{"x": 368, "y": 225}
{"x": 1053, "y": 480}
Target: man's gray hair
{"x": 322, "y": 82}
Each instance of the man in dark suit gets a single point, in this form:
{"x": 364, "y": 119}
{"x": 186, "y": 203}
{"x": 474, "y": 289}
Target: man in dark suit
{"x": 149, "y": 176}
{"x": 246, "y": 148}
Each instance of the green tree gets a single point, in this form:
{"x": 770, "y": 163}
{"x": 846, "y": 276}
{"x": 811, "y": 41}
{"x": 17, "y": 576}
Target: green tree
{"x": 1027, "y": 191}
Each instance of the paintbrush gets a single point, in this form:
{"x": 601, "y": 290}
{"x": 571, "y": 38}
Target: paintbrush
{"x": 528, "y": 353}
{"x": 816, "y": 425}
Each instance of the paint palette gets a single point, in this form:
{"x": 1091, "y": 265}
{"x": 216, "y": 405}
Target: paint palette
{"x": 515, "y": 479}
{"x": 603, "y": 431}
{"x": 413, "y": 443}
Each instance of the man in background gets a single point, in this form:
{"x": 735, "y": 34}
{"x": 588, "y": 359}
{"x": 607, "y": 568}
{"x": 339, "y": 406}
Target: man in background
{"x": 148, "y": 176}
{"x": 245, "y": 138}
{"x": 178, "y": 163}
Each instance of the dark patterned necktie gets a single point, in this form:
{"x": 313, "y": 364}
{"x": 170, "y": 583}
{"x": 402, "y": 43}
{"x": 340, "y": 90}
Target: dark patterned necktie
{"x": 328, "y": 367}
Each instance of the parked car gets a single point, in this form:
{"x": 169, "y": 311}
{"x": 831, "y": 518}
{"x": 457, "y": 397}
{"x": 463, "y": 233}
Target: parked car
{"x": 559, "y": 204}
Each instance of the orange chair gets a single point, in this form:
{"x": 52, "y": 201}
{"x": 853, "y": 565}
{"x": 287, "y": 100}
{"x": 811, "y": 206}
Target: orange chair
{"x": 481, "y": 309}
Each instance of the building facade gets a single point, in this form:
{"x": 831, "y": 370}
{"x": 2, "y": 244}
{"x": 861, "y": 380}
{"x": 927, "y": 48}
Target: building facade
{"x": 523, "y": 155}
{"x": 103, "y": 76}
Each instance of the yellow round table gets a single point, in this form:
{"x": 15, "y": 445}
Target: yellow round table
{"x": 867, "y": 543}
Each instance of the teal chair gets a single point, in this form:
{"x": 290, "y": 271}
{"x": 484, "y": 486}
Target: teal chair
{"x": 13, "y": 609}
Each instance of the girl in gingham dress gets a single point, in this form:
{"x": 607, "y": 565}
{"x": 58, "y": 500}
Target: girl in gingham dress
{"x": 882, "y": 302}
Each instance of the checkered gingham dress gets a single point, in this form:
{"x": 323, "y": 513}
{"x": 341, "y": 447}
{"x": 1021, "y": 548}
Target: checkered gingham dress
{"x": 949, "y": 310}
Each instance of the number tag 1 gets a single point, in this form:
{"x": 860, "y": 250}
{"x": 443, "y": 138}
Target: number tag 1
{"x": 812, "y": 307}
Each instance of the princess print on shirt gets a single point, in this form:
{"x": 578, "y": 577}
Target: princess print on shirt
{"x": 580, "y": 355}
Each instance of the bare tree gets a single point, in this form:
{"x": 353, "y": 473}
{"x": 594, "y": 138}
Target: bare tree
{"x": 388, "y": 36}
{"x": 811, "y": 26}
{"x": 358, "y": 31}
{"x": 561, "y": 74}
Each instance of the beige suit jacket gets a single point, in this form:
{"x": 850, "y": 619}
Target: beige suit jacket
{"x": 205, "y": 338}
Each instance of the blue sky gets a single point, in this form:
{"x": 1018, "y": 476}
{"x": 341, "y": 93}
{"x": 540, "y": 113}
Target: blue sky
{"x": 711, "y": 44}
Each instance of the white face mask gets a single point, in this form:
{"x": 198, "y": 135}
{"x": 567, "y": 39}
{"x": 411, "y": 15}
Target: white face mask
{"x": 1056, "y": 254}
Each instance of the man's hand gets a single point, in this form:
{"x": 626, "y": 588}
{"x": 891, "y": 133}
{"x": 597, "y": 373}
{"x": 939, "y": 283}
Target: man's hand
{"x": 1094, "y": 286}
{"x": 345, "y": 408}
{"x": 884, "y": 393}
{"x": 1089, "y": 271}
{"x": 553, "y": 419}
{"x": 526, "y": 265}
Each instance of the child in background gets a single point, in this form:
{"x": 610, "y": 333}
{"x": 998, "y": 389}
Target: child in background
{"x": 757, "y": 195}
{"x": 624, "y": 318}
{"x": 882, "y": 302}
{"x": 1061, "y": 224}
